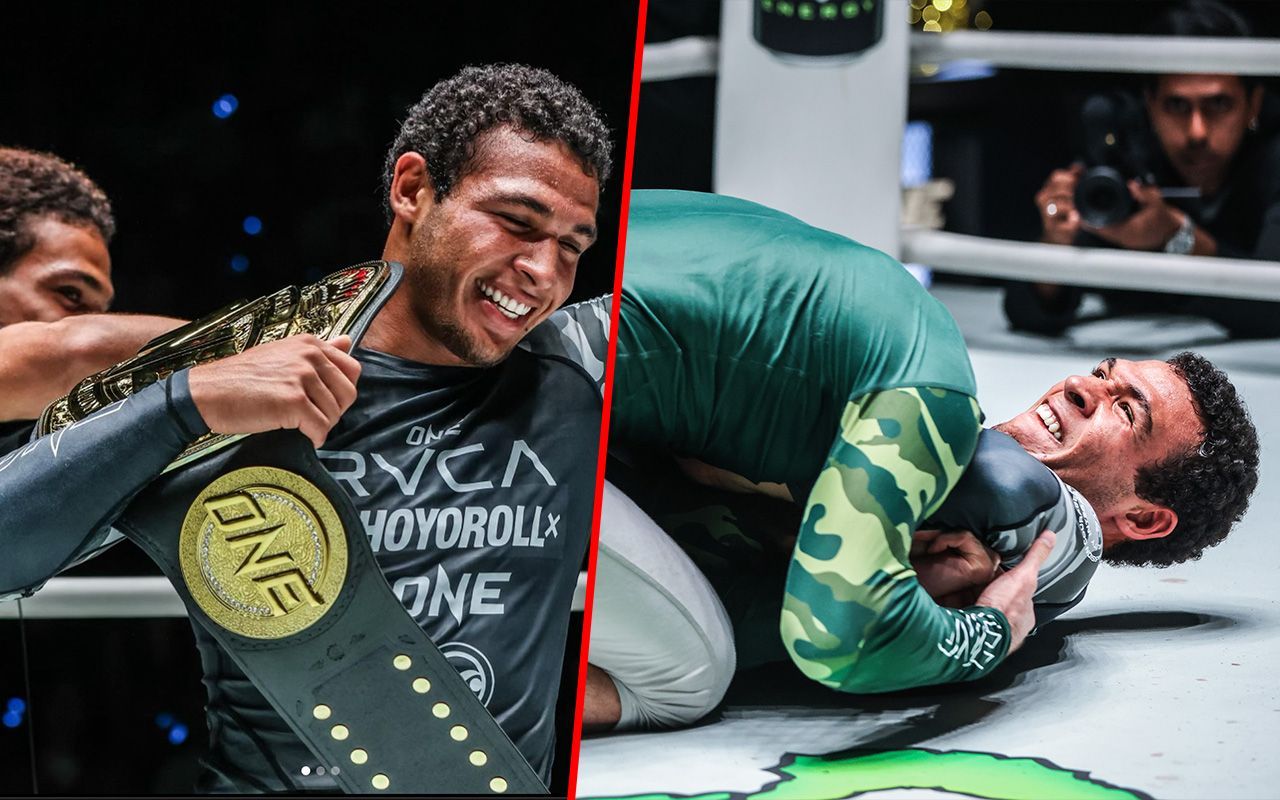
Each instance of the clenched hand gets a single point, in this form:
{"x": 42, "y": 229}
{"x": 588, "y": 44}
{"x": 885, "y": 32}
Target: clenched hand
{"x": 953, "y": 566}
{"x": 1011, "y": 592}
{"x": 301, "y": 383}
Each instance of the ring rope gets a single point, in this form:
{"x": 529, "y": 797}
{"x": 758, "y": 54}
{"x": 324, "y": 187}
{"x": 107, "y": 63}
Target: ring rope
{"x": 686, "y": 57}
{"x": 1083, "y": 266}
{"x": 696, "y": 56}
{"x": 1101, "y": 52}
{"x": 119, "y": 598}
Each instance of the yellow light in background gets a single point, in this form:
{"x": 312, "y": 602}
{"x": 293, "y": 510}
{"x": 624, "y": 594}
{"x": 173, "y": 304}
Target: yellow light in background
{"x": 928, "y": 70}
{"x": 938, "y": 16}
{"x": 982, "y": 21}
{"x": 931, "y": 27}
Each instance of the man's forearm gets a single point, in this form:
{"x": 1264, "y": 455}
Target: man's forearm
{"x": 854, "y": 617}
{"x": 42, "y": 361}
{"x": 60, "y": 494}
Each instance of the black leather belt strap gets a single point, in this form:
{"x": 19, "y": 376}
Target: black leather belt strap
{"x": 363, "y": 686}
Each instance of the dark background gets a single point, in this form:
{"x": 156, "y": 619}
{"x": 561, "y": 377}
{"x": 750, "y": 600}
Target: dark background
{"x": 997, "y": 138}
{"x": 126, "y": 91}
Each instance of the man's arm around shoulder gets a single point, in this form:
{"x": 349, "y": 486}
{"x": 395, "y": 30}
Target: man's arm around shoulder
{"x": 42, "y": 361}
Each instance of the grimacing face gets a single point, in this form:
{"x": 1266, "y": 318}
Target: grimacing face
{"x": 1095, "y": 431}
{"x": 1200, "y": 121}
{"x": 67, "y": 271}
{"x": 499, "y": 253}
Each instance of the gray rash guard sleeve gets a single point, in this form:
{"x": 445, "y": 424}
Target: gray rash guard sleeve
{"x": 579, "y": 334}
{"x": 60, "y": 493}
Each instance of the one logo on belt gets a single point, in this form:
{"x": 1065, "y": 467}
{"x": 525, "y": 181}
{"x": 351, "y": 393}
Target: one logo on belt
{"x": 474, "y": 667}
{"x": 263, "y": 552}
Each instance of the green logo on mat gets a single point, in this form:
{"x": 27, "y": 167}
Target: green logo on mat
{"x": 962, "y": 774}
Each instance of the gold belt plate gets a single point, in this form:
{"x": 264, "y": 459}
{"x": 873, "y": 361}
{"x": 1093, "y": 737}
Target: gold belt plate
{"x": 263, "y": 552}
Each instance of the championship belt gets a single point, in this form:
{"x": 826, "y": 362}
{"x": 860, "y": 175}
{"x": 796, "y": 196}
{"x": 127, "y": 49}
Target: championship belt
{"x": 268, "y": 554}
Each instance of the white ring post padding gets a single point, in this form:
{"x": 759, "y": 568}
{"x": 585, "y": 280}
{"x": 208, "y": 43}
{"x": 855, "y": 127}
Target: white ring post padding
{"x": 1093, "y": 52}
{"x": 1085, "y": 266}
{"x": 149, "y": 596}
{"x": 687, "y": 57}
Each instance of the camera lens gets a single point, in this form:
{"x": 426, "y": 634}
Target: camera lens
{"x": 1102, "y": 197}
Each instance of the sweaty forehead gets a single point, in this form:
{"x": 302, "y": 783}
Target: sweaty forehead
{"x": 1157, "y": 375}
{"x": 509, "y": 157}
{"x": 1171, "y": 403}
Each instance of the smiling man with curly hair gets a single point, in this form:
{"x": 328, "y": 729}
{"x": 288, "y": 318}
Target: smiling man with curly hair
{"x": 468, "y": 450}
{"x": 1165, "y": 491}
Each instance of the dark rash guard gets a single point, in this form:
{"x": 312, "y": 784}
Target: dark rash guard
{"x": 475, "y": 487}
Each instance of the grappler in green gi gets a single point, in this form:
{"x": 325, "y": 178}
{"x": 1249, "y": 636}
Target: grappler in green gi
{"x": 813, "y": 367}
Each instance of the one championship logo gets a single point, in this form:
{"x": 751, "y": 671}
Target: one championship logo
{"x": 959, "y": 774}
{"x": 263, "y": 552}
{"x": 473, "y": 666}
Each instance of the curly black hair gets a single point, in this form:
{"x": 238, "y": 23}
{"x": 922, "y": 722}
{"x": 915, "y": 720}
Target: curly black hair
{"x": 35, "y": 184}
{"x": 1208, "y": 486}
{"x": 443, "y": 126}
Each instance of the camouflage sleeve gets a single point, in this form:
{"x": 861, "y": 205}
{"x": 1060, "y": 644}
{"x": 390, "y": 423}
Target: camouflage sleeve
{"x": 578, "y": 333}
{"x": 854, "y": 616}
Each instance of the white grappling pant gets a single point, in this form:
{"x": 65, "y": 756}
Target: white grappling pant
{"x": 658, "y": 629}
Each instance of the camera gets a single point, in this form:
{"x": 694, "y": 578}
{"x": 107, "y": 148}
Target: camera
{"x": 1117, "y": 148}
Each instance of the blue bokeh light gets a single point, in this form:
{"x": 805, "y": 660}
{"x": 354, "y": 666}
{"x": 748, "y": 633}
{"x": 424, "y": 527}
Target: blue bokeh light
{"x": 917, "y": 154}
{"x": 917, "y": 170}
{"x": 164, "y": 719}
{"x": 240, "y": 263}
{"x": 252, "y": 225}
{"x": 225, "y": 106}
{"x": 178, "y": 734}
{"x": 11, "y": 719}
{"x": 964, "y": 69}
{"x": 16, "y": 704}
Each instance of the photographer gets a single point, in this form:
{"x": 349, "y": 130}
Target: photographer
{"x": 1207, "y": 137}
